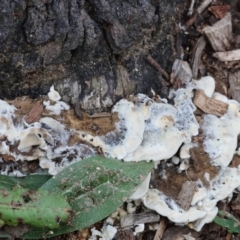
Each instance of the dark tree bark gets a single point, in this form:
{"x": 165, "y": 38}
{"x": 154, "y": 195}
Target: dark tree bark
{"x": 84, "y": 48}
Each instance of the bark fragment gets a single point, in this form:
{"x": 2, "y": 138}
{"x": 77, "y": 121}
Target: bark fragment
{"x": 196, "y": 55}
{"x": 181, "y": 70}
{"x": 161, "y": 228}
{"x": 135, "y": 219}
{"x": 219, "y": 11}
{"x": 234, "y": 82}
{"x": 35, "y": 113}
{"x": 233, "y": 55}
{"x": 220, "y": 34}
{"x": 209, "y": 105}
{"x": 185, "y": 196}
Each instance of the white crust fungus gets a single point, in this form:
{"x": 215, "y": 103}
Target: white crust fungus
{"x": 53, "y": 94}
{"x": 129, "y": 130}
{"x": 146, "y": 130}
{"x": 167, "y": 207}
{"x": 142, "y": 189}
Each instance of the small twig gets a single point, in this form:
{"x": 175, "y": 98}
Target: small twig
{"x": 157, "y": 66}
{"x": 196, "y": 55}
{"x": 161, "y": 228}
{"x": 190, "y": 10}
{"x": 191, "y": 21}
{"x": 199, "y": 10}
{"x": 203, "y": 6}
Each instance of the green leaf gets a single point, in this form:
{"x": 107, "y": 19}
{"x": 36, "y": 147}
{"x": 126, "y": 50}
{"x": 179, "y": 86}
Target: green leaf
{"x": 228, "y": 221}
{"x": 35, "y": 208}
{"x": 95, "y": 188}
{"x": 31, "y": 182}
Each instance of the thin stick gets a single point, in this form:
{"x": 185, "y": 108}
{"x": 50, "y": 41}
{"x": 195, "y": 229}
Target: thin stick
{"x": 190, "y": 10}
{"x": 199, "y": 10}
{"x": 157, "y": 66}
{"x": 161, "y": 228}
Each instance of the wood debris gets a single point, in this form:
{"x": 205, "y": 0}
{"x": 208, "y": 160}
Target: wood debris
{"x": 35, "y": 113}
{"x": 220, "y": 34}
{"x": 77, "y": 110}
{"x": 157, "y": 66}
{"x": 209, "y": 105}
{"x": 234, "y": 82}
{"x": 219, "y": 11}
{"x": 131, "y": 220}
{"x": 199, "y": 10}
{"x": 7, "y": 157}
{"x": 196, "y": 56}
{"x": 190, "y": 10}
{"x": 161, "y": 228}
{"x": 182, "y": 71}
{"x": 185, "y": 196}
{"x": 233, "y": 55}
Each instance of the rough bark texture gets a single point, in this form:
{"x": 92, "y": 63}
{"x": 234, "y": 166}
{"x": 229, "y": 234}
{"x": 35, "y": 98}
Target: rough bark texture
{"x": 95, "y": 49}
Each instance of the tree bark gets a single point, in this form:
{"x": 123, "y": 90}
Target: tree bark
{"x": 93, "y": 51}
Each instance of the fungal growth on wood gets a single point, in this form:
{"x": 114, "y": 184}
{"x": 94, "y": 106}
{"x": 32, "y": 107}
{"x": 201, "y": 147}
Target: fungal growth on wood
{"x": 139, "y": 128}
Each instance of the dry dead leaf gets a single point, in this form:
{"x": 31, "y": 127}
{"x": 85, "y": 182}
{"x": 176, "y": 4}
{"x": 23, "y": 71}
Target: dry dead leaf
{"x": 219, "y": 11}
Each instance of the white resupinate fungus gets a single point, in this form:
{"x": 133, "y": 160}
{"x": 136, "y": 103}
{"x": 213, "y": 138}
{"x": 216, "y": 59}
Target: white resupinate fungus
{"x": 146, "y": 130}
{"x": 58, "y": 105}
{"x": 167, "y": 128}
{"x": 129, "y": 130}
{"x": 45, "y": 140}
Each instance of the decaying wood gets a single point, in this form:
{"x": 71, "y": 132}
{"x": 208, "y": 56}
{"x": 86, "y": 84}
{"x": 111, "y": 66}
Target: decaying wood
{"x": 181, "y": 70}
{"x": 199, "y": 10}
{"x": 203, "y": 6}
{"x": 220, "y": 34}
{"x": 190, "y": 10}
{"x": 161, "y": 228}
{"x": 219, "y": 11}
{"x": 234, "y": 82}
{"x": 209, "y": 105}
{"x": 233, "y": 55}
{"x": 77, "y": 110}
{"x": 185, "y": 196}
{"x": 131, "y": 220}
{"x": 157, "y": 66}
{"x": 196, "y": 55}
{"x": 35, "y": 113}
